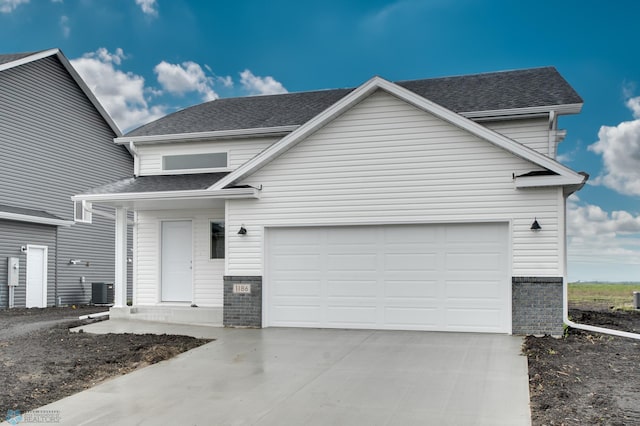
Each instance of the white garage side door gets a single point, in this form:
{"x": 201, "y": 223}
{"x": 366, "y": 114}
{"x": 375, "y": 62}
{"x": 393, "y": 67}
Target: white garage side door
{"x": 398, "y": 277}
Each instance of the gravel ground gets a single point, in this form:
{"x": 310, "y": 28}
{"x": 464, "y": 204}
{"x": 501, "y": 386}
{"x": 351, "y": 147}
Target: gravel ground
{"x": 42, "y": 362}
{"x": 586, "y": 378}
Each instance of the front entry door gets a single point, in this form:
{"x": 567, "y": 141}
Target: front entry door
{"x": 176, "y": 261}
{"x": 36, "y": 287}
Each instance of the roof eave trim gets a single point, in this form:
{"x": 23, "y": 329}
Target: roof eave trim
{"x": 540, "y": 181}
{"x": 216, "y": 134}
{"x": 412, "y": 98}
{"x": 35, "y": 219}
{"x": 28, "y": 59}
{"x": 566, "y": 109}
{"x": 231, "y": 193}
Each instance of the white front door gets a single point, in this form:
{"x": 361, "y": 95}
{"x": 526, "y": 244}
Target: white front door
{"x": 176, "y": 261}
{"x": 36, "y": 277}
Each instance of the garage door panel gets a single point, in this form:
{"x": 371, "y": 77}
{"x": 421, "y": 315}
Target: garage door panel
{"x": 473, "y": 319}
{"x": 352, "y": 316}
{"x": 414, "y": 277}
{"x": 474, "y": 289}
{"x": 296, "y": 262}
{"x": 296, "y": 315}
{"x": 352, "y": 262}
{"x": 412, "y": 317}
{"x": 352, "y": 288}
{"x": 294, "y": 288}
{"x": 410, "y": 261}
{"x": 411, "y": 289}
{"x": 474, "y": 261}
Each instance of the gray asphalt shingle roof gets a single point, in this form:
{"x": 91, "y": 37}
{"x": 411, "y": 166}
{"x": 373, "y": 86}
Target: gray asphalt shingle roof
{"x": 10, "y": 57}
{"x": 478, "y": 92}
{"x": 159, "y": 183}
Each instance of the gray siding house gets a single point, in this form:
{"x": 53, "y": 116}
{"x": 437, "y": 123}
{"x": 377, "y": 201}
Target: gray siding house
{"x": 57, "y": 140}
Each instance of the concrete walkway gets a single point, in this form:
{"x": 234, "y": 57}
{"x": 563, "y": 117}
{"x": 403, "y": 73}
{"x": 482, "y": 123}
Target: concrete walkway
{"x": 307, "y": 377}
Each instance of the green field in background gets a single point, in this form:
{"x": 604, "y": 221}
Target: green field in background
{"x": 604, "y": 295}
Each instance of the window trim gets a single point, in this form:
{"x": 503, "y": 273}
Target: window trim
{"x": 224, "y": 236}
{"x": 84, "y": 208}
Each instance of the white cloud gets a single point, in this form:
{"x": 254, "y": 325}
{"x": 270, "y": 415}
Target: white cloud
{"x": 64, "y": 25}
{"x": 149, "y": 7}
{"x": 179, "y": 79}
{"x": 256, "y": 85}
{"x": 620, "y": 149}
{"x": 597, "y": 237}
{"x": 226, "y": 81}
{"x": 8, "y": 6}
{"x": 121, "y": 93}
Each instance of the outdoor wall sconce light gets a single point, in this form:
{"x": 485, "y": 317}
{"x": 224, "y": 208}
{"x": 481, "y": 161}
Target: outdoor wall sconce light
{"x": 242, "y": 231}
{"x": 535, "y": 226}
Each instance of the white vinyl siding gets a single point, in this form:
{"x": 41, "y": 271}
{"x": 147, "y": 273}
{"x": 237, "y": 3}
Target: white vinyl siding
{"x": 238, "y": 152}
{"x": 207, "y": 273}
{"x": 533, "y": 132}
{"x": 386, "y": 162}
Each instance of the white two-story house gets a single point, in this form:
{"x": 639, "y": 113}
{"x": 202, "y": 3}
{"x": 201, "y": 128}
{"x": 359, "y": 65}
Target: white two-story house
{"x": 432, "y": 204}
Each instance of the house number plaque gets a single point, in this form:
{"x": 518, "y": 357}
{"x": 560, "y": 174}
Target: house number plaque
{"x": 241, "y": 288}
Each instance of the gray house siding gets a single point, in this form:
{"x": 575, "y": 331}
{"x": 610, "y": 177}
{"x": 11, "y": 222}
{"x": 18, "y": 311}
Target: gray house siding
{"x": 56, "y": 144}
{"x": 18, "y": 234}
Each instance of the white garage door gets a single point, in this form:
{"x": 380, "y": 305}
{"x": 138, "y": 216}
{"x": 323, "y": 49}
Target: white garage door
{"x": 399, "y": 277}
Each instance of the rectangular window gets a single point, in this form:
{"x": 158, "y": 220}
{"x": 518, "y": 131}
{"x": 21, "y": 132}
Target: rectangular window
{"x": 80, "y": 214}
{"x": 217, "y": 240}
{"x": 216, "y": 160}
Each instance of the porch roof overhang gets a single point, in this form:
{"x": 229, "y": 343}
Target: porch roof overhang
{"x": 163, "y": 200}
{"x": 166, "y": 192}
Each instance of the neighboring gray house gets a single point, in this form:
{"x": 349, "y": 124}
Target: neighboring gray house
{"x": 431, "y": 204}
{"x": 56, "y": 140}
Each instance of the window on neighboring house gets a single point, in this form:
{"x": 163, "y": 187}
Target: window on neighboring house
{"x": 80, "y": 212}
{"x": 216, "y": 160}
{"x": 217, "y": 240}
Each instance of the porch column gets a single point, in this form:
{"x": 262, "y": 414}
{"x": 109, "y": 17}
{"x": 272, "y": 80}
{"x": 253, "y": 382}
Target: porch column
{"x": 120, "y": 283}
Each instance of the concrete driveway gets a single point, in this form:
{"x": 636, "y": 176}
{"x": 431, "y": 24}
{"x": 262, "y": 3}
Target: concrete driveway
{"x": 318, "y": 377}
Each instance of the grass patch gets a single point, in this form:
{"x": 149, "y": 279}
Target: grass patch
{"x": 602, "y": 295}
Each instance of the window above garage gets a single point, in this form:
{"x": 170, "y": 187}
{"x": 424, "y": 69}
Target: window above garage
{"x": 206, "y": 162}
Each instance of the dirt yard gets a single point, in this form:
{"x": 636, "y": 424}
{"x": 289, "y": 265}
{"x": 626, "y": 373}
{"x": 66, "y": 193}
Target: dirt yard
{"x": 586, "y": 378}
{"x": 42, "y": 362}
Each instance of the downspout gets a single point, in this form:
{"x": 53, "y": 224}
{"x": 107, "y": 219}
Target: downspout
{"x": 565, "y": 318}
{"x": 136, "y": 158}
{"x": 565, "y": 285}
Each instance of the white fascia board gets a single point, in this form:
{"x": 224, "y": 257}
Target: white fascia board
{"x": 218, "y": 134}
{"x": 28, "y": 59}
{"x": 554, "y": 180}
{"x": 35, "y": 219}
{"x": 232, "y": 193}
{"x": 89, "y": 93}
{"x": 566, "y": 109}
{"x": 410, "y": 97}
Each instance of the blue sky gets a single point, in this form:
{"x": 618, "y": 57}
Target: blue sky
{"x": 147, "y": 58}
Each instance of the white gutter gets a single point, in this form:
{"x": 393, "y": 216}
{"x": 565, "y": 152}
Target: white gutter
{"x": 35, "y": 219}
{"x": 565, "y": 315}
{"x": 217, "y": 134}
{"x": 170, "y": 195}
{"x": 523, "y": 112}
